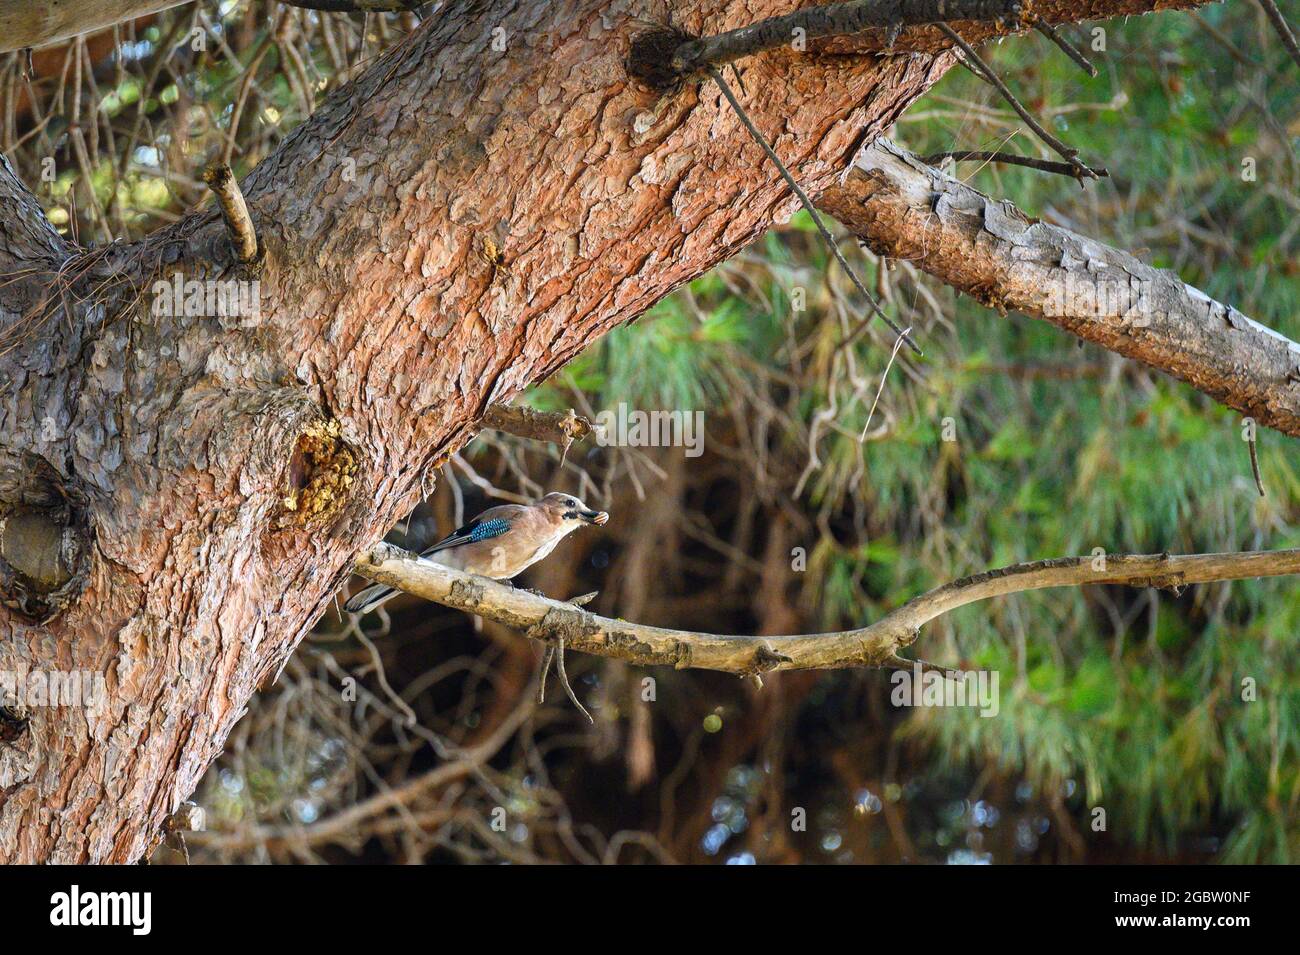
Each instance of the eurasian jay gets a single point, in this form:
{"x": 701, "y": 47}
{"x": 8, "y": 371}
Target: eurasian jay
{"x": 499, "y": 543}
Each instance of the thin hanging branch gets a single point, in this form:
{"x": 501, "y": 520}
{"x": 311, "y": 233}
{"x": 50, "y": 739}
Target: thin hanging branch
{"x": 807, "y": 204}
{"x": 876, "y": 645}
{"x": 1011, "y": 159}
{"x": 1068, "y": 48}
{"x": 1254, "y": 463}
{"x": 1068, "y": 153}
{"x": 1283, "y": 29}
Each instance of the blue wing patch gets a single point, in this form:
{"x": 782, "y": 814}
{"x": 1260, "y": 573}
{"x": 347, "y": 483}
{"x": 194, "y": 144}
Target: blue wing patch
{"x": 489, "y": 529}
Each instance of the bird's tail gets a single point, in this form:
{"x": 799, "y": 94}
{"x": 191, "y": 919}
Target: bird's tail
{"x": 368, "y": 599}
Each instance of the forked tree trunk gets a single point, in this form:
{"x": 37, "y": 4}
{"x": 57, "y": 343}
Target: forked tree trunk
{"x": 181, "y": 495}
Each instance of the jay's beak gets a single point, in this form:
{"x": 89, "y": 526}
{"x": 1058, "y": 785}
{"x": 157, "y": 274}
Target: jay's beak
{"x": 594, "y": 517}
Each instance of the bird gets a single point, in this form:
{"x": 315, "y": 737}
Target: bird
{"x": 500, "y": 543}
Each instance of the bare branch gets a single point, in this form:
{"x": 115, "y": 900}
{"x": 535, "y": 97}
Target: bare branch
{"x": 876, "y": 645}
{"x": 1068, "y": 153}
{"x": 24, "y": 24}
{"x": 1042, "y": 165}
{"x": 1282, "y": 28}
{"x": 689, "y": 56}
{"x": 987, "y": 248}
{"x": 1066, "y": 47}
{"x": 525, "y": 422}
{"x": 234, "y": 210}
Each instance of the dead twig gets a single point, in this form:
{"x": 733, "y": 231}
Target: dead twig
{"x": 1282, "y": 27}
{"x": 807, "y": 204}
{"x": 525, "y": 422}
{"x": 243, "y": 237}
{"x": 1068, "y": 48}
{"x": 1068, "y": 153}
{"x": 1010, "y": 159}
{"x": 1254, "y": 462}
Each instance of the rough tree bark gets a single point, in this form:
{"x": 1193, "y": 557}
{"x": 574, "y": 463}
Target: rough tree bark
{"x": 181, "y": 495}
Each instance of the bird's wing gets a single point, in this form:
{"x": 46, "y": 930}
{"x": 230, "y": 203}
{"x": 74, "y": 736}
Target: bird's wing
{"x": 493, "y": 522}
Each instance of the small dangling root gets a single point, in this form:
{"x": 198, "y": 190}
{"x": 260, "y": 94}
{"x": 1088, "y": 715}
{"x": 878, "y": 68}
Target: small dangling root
{"x": 555, "y": 652}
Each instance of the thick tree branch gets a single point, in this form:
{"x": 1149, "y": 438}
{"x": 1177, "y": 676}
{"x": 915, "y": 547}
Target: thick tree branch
{"x": 987, "y": 248}
{"x": 874, "y": 27}
{"x": 696, "y": 55}
{"x": 25, "y": 24}
{"x": 876, "y": 645}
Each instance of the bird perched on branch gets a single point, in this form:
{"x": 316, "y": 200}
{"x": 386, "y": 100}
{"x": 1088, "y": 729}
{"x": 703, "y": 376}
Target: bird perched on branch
{"x": 500, "y": 543}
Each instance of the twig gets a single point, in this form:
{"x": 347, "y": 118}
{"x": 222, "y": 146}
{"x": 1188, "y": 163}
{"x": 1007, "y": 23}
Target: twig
{"x": 696, "y": 54}
{"x": 1254, "y": 462}
{"x": 1011, "y": 159}
{"x": 234, "y": 210}
{"x": 876, "y": 645}
{"x": 525, "y": 422}
{"x": 1068, "y": 48}
{"x": 1068, "y": 153}
{"x": 1233, "y": 50}
{"x": 879, "y": 391}
{"x": 548, "y": 656}
{"x": 807, "y": 204}
{"x": 564, "y": 679}
{"x": 903, "y": 663}
{"x": 1283, "y": 29}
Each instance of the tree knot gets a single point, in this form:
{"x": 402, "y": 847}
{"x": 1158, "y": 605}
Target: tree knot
{"x": 563, "y": 623}
{"x": 467, "y": 593}
{"x": 765, "y": 659}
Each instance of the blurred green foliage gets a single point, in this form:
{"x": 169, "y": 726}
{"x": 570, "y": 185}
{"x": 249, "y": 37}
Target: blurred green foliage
{"x": 1137, "y": 697}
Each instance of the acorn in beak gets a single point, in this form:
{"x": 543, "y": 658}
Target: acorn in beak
{"x": 595, "y": 517}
